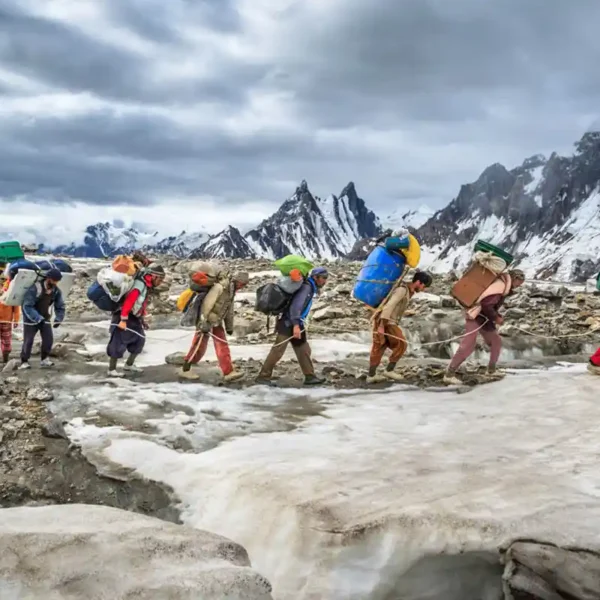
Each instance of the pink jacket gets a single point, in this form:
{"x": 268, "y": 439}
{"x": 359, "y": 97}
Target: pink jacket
{"x": 501, "y": 286}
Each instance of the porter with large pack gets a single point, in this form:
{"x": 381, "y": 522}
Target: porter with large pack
{"x": 24, "y": 273}
{"x": 273, "y": 298}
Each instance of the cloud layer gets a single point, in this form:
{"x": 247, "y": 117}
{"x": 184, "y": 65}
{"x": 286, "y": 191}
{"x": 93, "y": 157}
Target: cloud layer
{"x": 213, "y": 110}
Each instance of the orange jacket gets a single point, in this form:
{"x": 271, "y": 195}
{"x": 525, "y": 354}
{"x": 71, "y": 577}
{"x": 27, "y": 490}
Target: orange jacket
{"x": 9, "y": 313}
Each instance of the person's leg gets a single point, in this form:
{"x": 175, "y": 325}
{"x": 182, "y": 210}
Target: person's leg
{"x": 398, "y": 344}
{"x": 116, "y": 347}
{"x": 467, "y": 346}
{"x": 135, "y": 340}
{"x": 222, "y": 350}
{"x": 494, "y": 342}
{"x": 303, "y": 355}
{"x": 29, "y": 331}
{"x": 6, "y": 340}
{"x": 378, "y": 347}
{"x": 47, "y": 342}
{"x": 275, "y": 355}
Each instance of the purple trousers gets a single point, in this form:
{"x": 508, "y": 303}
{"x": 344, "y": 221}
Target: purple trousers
{"x": 469, "y": 343}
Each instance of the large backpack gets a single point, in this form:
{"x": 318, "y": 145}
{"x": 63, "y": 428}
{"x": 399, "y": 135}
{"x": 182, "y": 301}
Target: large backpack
{"x": 272, "y": 299}
{"x": 99, "y": 296}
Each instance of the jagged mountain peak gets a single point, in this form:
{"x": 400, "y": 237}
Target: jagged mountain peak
{"x": 545, "y": 212}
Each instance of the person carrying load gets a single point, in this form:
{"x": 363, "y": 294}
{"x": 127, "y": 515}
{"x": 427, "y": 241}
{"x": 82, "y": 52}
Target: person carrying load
{"x": 216, "y": 321}
{"x": 9, "y": 318}
{"x": 386, "y": 332}
{"x": 291, "y": 326}
{"x": 128, "y": 326}
{"x": 40, "y": 300}
{"x": 482, "y": 319}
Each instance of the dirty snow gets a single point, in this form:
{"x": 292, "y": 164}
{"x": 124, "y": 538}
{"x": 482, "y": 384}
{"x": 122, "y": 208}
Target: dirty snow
{"x": 162, "y": 342}
{"x": 415, "y": 473}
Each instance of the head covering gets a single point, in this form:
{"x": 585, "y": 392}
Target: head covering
{"x": 517, "y": 274}
{"x": 53, "y": 275}
{"x": 319, "y": 272}
{"x": 241, "y": 277}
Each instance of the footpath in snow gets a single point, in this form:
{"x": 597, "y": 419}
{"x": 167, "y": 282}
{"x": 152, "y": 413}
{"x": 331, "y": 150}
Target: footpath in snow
{"x": 365, "y": 495}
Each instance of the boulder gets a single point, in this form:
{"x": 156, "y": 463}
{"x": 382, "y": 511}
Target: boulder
{"x": 95, "y": 552}
{"x": 329, "y": 312}
{"x": 39, "y": 394}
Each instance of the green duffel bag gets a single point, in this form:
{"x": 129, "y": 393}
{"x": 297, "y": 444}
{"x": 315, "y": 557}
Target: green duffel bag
{"x": 10, "y": 252}
{"x": 293, "y": 261}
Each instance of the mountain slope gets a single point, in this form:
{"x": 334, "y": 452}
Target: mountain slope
{"x": 229, "y": 243}
{"x": 546, "y": 212}
{"x": 316, "y": 228}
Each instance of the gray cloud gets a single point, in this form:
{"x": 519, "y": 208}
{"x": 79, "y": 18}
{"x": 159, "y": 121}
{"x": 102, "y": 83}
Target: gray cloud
{"x": 408, "y": 98}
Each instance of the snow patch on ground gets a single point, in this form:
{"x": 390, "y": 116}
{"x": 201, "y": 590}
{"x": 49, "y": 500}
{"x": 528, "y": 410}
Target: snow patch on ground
{"x": 325, "y": 509}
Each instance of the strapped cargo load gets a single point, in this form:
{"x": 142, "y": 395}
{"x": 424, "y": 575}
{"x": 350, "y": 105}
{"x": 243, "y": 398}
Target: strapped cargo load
{"x": 489, "y": 263}
{"x": 24, "y": 273}
{"x": 273, "y": 298}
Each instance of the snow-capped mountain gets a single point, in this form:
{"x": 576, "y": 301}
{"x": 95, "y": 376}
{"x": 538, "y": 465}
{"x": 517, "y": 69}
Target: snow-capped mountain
{"x": 108, "y": 239}
{"x": 229, "y": 243}
{"x": 316, "y": 228}
{"x": 181, "y": 245}
{"x": 412, "y": 219}
{"x": 545, "y": 212}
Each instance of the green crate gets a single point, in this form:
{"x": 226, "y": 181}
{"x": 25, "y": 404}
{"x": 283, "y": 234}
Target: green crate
{"x": 10, "y": 251}
{"x": 482, "y": 246}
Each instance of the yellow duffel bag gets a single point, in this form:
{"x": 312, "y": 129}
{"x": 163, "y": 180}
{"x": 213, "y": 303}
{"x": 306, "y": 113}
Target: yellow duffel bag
{"x": 413, "y": 252}
{"x": 184, "y": 299}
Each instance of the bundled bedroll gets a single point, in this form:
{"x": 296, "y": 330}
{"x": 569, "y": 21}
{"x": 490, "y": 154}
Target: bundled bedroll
{"x": 24, "y": 273}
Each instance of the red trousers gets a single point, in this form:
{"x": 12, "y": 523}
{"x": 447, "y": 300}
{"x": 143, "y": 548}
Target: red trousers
{"x": 200, "y": 344}
{"x": 595, "y": 358}
{"x": 6, "y": 330}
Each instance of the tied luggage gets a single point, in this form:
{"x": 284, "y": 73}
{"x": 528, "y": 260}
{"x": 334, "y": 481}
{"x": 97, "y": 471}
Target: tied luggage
{"x": 101, "y": 299}
{"x": 292, "y": 262}
{"x": 10, "y": 251}
{"x": 271, "y": 299}
{"x": 124, "y": 264}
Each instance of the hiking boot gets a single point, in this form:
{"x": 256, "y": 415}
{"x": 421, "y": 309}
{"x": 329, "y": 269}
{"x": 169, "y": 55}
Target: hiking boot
{"x": 450, "y": 378}
{"x": 233, "y": 376}
{"x": 46, "y": 364}
{"x": 132, "y": 368}
{"x": 5, "y": 357}
{"x": 495, "y": 373}
{"x": 24, "y": 366}
{"x": 314, "y": 380}
{"x": 377, "y": 378}
{"x": 393, "y": 376}
{"x": 593, "y": 369}
{"x": 260, "y": 380}
{"x": 114, "y": 373}
{"x": 189, "y": 375}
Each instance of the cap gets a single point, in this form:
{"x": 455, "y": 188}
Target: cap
{"x": 53, "y": 275}
{"x": 319, "y": 272}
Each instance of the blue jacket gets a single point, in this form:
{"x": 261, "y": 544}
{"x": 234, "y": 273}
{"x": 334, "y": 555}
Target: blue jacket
{"x": 301, "y": 303}
{"x": 32, "y": 295}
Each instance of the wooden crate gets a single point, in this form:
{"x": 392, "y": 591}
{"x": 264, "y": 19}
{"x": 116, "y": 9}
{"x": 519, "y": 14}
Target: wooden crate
{"x": 472, "y": 284}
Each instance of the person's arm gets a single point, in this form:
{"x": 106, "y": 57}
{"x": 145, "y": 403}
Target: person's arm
{"x": 16, "y": 315}
{"x": 130, "y": 300}
{"x": 28, "y": 307}
{"x": 298, "y": 303}
{"x": 489, "y": 307}
{"x": 392, "y": 303}
{"x": 59, "y": 307}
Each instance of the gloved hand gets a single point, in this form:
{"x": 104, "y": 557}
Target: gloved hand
{"x": 205, "y": 327}
{"x": 145, "y": 325}
{"x": 15, "y": 326}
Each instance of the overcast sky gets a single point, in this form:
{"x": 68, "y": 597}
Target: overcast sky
{"x": 178, "y": 112}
